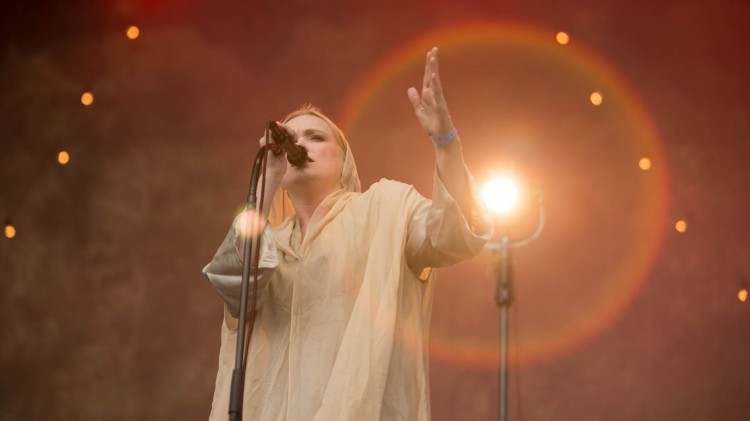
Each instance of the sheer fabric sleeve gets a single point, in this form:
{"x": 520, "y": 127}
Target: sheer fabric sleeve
{"x": 225, "y": 269}
{"x": 441, "y": 235}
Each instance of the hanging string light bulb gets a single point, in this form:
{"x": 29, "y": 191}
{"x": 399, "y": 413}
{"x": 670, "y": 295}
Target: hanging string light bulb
{"x": 562, "y": 38}
{"x": 9, "y": 230}
{"x": 87, "y": 98}
{"x": 63, "y": 157}
{"x": 132, "y": 32}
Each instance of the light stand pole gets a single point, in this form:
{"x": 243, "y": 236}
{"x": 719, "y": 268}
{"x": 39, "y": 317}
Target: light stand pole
{"x": 504, "y": 299}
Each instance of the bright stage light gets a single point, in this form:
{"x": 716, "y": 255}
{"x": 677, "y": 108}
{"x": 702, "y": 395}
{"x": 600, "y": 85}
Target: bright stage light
{"x": 500, "y": 195}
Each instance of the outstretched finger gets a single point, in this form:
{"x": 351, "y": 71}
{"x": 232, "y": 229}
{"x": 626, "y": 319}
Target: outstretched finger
{"x": 427, "y": 70}
{"x": 414, "y": 98}
{"x": 437, "y": 87}
{"x": 434, "y": 61}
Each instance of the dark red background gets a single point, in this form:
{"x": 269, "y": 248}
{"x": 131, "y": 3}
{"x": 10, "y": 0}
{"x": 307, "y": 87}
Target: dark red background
{"x": 104, "y": 313}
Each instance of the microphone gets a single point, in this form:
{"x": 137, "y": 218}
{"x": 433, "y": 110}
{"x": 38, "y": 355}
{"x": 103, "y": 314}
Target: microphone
{"x": 295, "y": 154}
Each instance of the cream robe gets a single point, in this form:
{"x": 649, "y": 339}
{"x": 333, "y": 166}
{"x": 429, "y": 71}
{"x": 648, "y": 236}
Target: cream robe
{"x": 343, "y": 319}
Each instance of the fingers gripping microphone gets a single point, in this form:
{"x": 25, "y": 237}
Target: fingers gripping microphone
{"x": 295, "y": 154}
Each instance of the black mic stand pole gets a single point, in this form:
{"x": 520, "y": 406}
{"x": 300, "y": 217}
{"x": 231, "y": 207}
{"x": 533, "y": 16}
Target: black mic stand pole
{"x": 236, "y": 394}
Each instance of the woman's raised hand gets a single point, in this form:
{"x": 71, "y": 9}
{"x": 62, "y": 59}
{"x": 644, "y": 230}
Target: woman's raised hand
{"x": 430, "y": 107}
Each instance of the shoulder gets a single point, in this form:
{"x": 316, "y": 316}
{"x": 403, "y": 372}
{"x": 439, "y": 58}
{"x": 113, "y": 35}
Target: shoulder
{"x": 390, "y": 193}
{"x": 386, "y": 186}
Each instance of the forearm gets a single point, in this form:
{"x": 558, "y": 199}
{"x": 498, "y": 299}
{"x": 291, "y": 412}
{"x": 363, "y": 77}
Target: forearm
{"x": 272, "y": 185}
{"x": 270, "y": 190}
{"x": 452, "y": 171}
{"x": 452, "y": 226}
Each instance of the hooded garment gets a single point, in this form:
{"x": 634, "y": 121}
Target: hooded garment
{"x": 342, "y": 323}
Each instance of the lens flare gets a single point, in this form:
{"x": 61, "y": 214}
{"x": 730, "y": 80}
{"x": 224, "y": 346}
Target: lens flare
{"x": 562, "y": 38}
{"x": 249, "y": 222}
{"x": 500, "y": 195}
{"x": 742, "y": 295}
{"x": 507, "y": 39}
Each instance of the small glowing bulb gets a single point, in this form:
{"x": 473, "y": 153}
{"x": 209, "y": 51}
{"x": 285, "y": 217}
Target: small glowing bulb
{"x": 10, "y": 231}
{"x": 87, "y": 98}
{"x": 63, "y": 157}
{"x": 562, "y": 38}
{"x": 132, "y": 32}
{"x": 500, "y": 195}
{"x": 681, "y": 226}
{"x": 596, "y": 98}
{"x": 645, "y": 163}
{"x": 742, "y": 295}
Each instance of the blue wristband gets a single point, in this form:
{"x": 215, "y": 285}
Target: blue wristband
{"x": 442, "y": 140}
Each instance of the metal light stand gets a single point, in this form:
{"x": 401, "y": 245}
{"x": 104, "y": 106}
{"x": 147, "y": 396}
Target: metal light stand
{"x": 504, "y": 299}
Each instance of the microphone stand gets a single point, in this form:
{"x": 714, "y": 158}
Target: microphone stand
{"x": 238, "y": 375}
{"x": 504, "y": 299}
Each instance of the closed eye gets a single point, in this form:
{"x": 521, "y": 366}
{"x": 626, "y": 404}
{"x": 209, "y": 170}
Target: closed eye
{"x": 314, "y": 135}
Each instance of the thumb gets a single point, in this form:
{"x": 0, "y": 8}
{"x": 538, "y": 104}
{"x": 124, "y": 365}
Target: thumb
{"x": 414, "y": 98}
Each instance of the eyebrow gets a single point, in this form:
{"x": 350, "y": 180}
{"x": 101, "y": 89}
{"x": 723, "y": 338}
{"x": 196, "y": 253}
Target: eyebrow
{"x": 313, "y": 131}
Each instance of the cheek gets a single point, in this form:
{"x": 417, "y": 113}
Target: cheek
{"x": 333, "y": 158}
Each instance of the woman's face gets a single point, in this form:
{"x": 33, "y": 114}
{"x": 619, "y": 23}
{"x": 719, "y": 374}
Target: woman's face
{"x": 325, "y": 163}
